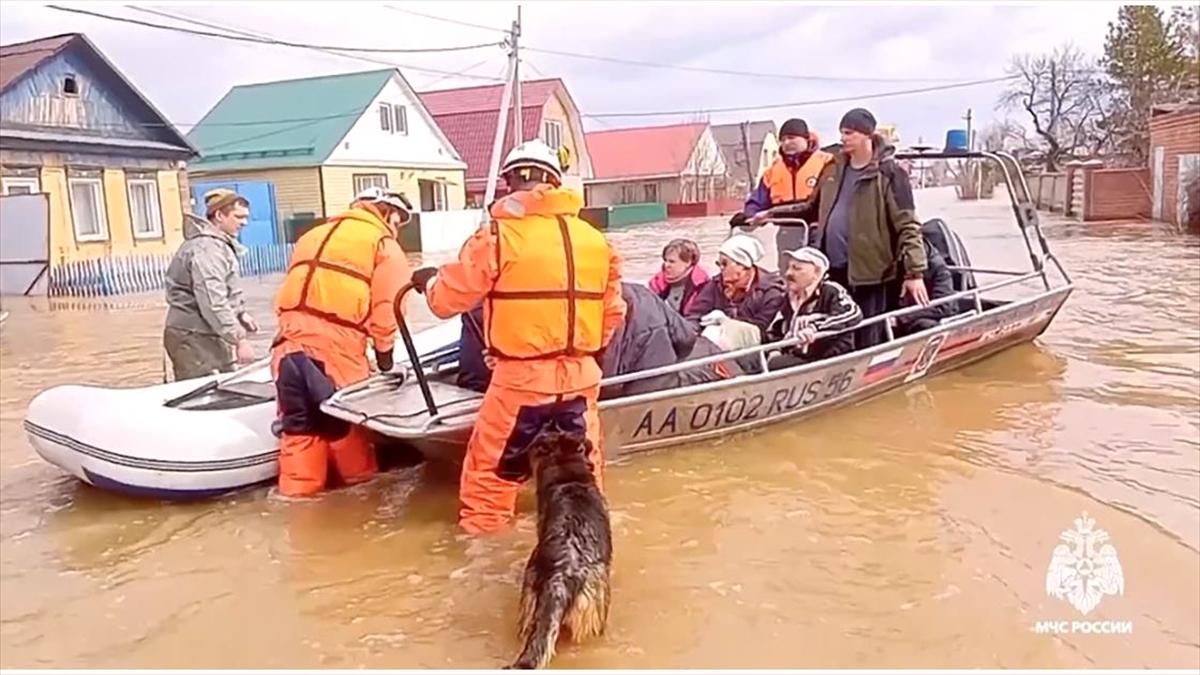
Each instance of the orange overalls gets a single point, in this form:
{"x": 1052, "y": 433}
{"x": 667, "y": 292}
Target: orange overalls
{"x": 552, "y": 292}
{"x": 339, "y": 290}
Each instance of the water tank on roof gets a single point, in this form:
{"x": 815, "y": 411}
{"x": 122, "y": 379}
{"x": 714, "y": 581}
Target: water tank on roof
{"x": 956, "y": 140}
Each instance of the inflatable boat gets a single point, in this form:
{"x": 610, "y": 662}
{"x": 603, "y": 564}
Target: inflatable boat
{"x": 183, "y": 440}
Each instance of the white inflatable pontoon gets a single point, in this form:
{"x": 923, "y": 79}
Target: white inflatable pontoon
{"x": 183, "y": 440}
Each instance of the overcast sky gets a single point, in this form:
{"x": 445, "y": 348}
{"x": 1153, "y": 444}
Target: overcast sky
{"x": 889, "y": 46}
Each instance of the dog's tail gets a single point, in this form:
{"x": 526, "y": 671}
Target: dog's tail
{"x": 550, "y": 606}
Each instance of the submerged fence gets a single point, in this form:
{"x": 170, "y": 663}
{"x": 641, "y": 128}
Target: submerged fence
{"x": 146, "y": 273}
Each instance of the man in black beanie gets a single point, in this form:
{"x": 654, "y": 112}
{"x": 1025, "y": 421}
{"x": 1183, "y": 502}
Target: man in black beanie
{"x": 868, "y": 225}
{"x": 791, "y": 179}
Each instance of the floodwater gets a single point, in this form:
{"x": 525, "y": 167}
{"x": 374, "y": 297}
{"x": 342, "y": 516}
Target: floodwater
{"x": 914, "y": 529}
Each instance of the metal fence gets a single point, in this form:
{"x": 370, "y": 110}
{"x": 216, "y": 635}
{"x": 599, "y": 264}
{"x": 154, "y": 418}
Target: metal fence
{"x": 144, "y": 273}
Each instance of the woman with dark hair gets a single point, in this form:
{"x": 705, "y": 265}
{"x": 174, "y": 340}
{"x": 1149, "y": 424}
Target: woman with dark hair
{"x": 681, "y": 276}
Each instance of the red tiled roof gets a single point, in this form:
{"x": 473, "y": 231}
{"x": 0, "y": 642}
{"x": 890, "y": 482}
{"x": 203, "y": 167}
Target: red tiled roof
{"x": 468, "y": 118}
{"x": 534, "y": 93}
{"x": 474, "y": 133}
{"x": 643, "y": 151}
{"x": 22, "y": 57}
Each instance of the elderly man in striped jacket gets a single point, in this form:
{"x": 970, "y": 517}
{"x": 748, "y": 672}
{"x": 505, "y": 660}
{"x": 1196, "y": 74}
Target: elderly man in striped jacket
{"x": 814, "y": 304}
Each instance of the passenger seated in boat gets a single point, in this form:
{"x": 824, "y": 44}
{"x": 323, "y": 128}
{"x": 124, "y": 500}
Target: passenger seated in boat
{"x": 681, "y": 276}
{"x": 742, "y": 294}
{"x": 653, "y": 335}
{"x": 940, "y": 284}
{"x": 814, "y": 304}
{"x": 473, "y": 371}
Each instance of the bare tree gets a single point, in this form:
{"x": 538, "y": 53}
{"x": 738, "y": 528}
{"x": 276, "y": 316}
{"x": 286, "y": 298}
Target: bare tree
{"x": 1064, "y": 97}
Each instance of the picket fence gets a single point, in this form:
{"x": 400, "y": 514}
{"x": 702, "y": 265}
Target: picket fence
{"x": 146, "y": 273}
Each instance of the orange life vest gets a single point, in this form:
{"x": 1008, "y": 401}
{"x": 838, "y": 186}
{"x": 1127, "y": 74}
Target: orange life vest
{"x": 331, "y": 269}
{"x": 548, "y": 300}
{"x": 787, "y": 186}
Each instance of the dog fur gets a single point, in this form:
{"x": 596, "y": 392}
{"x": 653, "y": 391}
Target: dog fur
{"x": 566, "y": 582}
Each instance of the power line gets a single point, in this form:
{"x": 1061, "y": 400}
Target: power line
{"x": 442, "y": 18}
{"x": 840, "y": 99}
{"x": 271, "y": 41}
{"x": 738, "y": 73}
{"x": 366, "y": 59}
{"x": 273, "y": 132}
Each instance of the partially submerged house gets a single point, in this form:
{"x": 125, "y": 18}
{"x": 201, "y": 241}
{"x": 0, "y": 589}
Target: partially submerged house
{"x": 469, "y": 117}
{"x": 300, "y": 150}
{"x": 679, "y": 163}
{"x": 89, "y": 168}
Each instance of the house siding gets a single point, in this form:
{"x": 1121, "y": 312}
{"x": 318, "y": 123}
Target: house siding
{"x": 297, "y": 190}
{"x": 63, "y": 244}
{"x": 367, "y": 144}
{"x": 1178, "y": 133}
{"x": 610, "y": 194}
{"x": 101, "y": 108}
{"x": 555, "y": 111}
{"x": 338, "y": 182}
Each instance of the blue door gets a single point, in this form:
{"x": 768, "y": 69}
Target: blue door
{"x": 262, "y": 229}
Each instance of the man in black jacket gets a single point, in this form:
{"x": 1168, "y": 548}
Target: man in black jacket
{"x": 814, "y": 304}
{"x": 940, "y": 284}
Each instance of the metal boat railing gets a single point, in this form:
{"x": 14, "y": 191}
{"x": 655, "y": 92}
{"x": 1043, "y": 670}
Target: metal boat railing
{"x": 975, "y": 294}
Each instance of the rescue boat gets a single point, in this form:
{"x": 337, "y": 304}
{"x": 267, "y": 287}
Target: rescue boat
{"x": 182, "y": 440}
{"x": 432, "y": 414}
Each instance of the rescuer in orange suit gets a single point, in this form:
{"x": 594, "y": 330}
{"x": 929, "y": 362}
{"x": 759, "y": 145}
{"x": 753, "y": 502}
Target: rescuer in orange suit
{"x": 791, "y": 179}
{"x": 339, "y": 291}
{"x": 550, "y": 284}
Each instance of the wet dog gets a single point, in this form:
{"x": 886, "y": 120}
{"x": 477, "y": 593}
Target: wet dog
{"x": 566, "y": 583}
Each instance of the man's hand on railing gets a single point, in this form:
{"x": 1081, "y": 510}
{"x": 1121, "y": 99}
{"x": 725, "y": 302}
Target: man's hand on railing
{"x": 915, "y": 289}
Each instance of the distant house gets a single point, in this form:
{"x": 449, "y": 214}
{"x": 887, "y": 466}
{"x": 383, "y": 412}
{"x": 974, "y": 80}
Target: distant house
{"x": 109, "y": 165}
{"x": 764, "y": 148}
{"x": 680, "y": 163}
{"x": 468, "y": 116}
{"x": 301, "y": 149}
{"x": 1175, "y": 161}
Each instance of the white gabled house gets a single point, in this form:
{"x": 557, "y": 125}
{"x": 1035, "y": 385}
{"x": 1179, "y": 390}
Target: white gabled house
{"x": 300, "y": 150}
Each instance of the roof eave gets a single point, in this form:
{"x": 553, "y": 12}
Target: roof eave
{"x": 168, "y": 124}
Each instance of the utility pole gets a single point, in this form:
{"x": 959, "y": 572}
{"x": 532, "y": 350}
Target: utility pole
{"x": 518, "y": 122}
{"x": 746, "y": 148}
{"x": 511, "y": 83}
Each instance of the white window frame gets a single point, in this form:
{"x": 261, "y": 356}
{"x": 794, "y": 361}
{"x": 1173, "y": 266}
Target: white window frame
{"x": 97, "y": 202}
{"x": 385, "y": 117}
{"x": 555, "y": 126}
{"x": 399, "y": 120}
{"x": 362, "y": 181}
{"x": 155, "y": 208}
{"x": 9, "y": 182}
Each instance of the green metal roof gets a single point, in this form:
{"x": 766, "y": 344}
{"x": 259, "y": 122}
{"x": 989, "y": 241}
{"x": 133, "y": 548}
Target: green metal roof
{"x": 283, "y": 124}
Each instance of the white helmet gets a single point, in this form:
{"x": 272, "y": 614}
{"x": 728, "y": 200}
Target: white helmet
{"x": 535, "y": 154}
{"x": 378, "y": 194}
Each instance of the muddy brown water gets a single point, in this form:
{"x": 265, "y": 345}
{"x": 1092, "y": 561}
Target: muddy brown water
{"x": 914, "y": 529}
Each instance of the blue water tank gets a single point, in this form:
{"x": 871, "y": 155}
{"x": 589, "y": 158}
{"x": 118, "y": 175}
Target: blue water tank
{"x": 956, "y": 140}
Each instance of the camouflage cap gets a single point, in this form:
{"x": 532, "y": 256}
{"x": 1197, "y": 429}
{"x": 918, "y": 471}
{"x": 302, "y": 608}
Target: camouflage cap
{"x": 219, "y": 198}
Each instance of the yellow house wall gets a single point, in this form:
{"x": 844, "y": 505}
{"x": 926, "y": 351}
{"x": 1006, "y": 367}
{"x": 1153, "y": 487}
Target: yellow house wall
{"x": 554, "y": 110}
{"x": 339, "y": 184}
{"x": 120, "y": 241}
{"x": 297, "y": 190}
